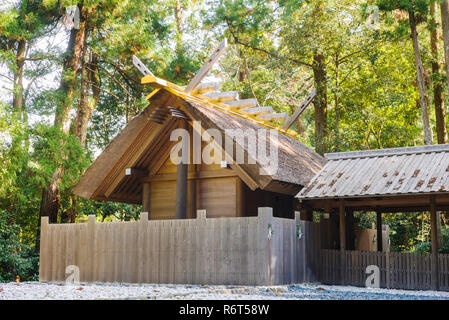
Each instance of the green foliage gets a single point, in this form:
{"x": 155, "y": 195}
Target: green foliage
{"x": 370, "y": 86}
{"x": 110, "y": 211}
{"x": 16, "y": 258}
{"x": 425, "y": 246}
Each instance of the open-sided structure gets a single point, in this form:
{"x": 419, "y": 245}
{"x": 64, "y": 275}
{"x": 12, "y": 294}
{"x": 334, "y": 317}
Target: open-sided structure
{"x": 409, "y": 179}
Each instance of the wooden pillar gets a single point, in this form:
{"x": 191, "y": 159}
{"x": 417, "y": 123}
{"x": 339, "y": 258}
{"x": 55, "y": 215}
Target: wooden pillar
{"x": 342, "y": 240}
{"x": 240, "y": 203}
{"x": 439, "y": 236}
{"x": 181, "y": 185}
{"x": 434, "y": 235}
{"x": 181, "y": 191}
{"x": 350, "y": 232}
{"x": 191, "y": 195}
{"x": 306, "y": 214}
{"x": 379, "y": 231}
{"x": 146, "y": 197}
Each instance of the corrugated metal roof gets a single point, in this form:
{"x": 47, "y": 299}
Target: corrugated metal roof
{"x": 411, "y": 170}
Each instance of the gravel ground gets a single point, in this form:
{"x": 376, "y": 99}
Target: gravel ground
{"x": 60, "y": 291}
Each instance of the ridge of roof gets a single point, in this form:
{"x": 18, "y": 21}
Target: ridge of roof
{"x": 159, "y": 83}
{"x": 386, "y": 152}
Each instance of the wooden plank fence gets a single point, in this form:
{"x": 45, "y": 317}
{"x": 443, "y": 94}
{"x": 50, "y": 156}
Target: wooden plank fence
{"x": 258, "y": 250}
{"x": 398, "y": 270}
{"x": 262, "y": 250}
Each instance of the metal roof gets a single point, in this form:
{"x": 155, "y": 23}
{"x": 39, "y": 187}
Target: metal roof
{"x": 411, "y": 170}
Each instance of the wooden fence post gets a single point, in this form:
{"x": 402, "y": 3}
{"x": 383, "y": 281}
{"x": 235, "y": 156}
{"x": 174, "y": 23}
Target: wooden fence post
{"x": 201, "y": 214}
{"x": 91, "y": 248}
{"x": 43, "y": 256}
{"x": 201, "y": 263}
{"x": 387, "y": 265}
{"x": 142, "y": 249}
{"x": 342, "y": 241}
{"x": 434, "y": 246}
{"x": 265, "y": 266}
{"x": 299, "y": 259}
{"x": 146, "y": 197}
{"x": 379, "y": 230}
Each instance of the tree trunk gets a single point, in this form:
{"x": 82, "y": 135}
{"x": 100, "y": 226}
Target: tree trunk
{"x": 87, "y": 104}
{"x": 18, "y": 79}
{"x": 179, "y": 25}
{"x": 440, "y": 112}
{"x": 70, "y": 70}
{"x": 50, "y": 194}
{"x": 444, "y": 7}
{"x": 420, "y": 80}
{"x": 320, "y": 103}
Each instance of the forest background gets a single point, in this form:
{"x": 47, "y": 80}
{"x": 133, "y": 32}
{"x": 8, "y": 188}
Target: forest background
{"x": 380, "y": 69}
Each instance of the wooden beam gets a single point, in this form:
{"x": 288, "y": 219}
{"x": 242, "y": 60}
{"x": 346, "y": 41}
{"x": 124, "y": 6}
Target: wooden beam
{"x": 379, "y": 231}
{"x": 240, "y": 198}
{"x": 273, "y": 116}
{"x": 181, "y": 187}
{"x": 434, "y": 246}
{"x": 222, "y": 96}
{"x": 258, "y": 110}
{"x": 244, "y": 103}
{"x": 208, "y": 174}
{"x": 342, "y": 226}
{"x": 299, "y": 111}
{"x": 197, "y": 168}
{"x": 342, "y": 240}
{"x": 137, "y": 173}
{"x": 206, "y": 87}
{"x": 146, "y": 198}
{"x": 401, "y": 202}
{"x": 181, "y": 191}
{"x": 191, "y": 193}
{"x": 142, "y": 68}
{"x": 207, "y": 66}
{"x": 350, "y": 229}
{"x": 439, "y": 236}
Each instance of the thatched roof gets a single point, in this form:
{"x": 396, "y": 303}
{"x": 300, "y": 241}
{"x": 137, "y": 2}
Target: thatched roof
{"x": 297, "y": 164}
{"x": 142, "y": 141}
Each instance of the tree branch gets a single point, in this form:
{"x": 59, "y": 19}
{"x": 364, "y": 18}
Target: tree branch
{"x": 272, "y": 54}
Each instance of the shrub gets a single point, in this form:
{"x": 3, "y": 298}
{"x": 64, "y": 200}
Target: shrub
{"x": 16, "y": 258}
{"x": 424, "y": 247}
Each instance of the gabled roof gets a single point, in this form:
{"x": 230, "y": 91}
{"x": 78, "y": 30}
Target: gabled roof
{"x": 297, "y": 164}
{"x": 142, "y": 141}
{"x": 397, "y": 171}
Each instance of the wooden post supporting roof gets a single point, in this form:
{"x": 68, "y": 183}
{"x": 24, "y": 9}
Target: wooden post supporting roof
{"x": 379, "y": 231}
{"x": 342, "y": 240}
{"x": 350, "y": 229}
{"x": 146, "y": 197}
{"x": 434, "y": 236}
{"x": 181, "y": 184}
